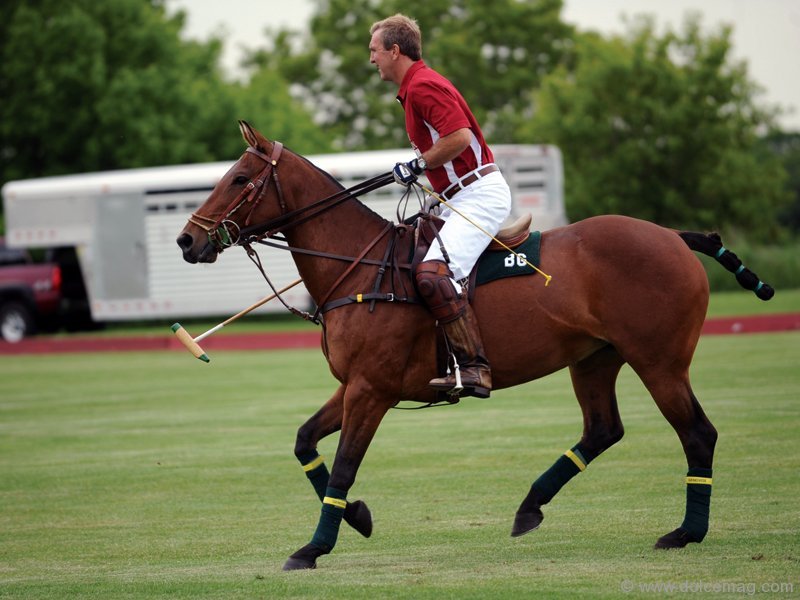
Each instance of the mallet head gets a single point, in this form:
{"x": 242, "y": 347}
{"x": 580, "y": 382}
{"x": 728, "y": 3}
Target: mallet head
{"x": 189, "y": 342}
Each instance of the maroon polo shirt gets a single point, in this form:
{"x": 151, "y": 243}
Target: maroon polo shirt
{"x": 434, "y": 108}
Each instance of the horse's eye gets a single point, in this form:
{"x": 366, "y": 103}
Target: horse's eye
{"x": 240, "y": 180}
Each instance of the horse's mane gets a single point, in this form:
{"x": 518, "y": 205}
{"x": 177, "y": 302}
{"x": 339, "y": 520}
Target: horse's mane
{"x": 363, "y": 207}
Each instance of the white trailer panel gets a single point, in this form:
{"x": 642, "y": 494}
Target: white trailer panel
{"x": 123, "y": 225}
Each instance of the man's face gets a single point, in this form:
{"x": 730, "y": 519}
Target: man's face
{"x": 380, "y": 57}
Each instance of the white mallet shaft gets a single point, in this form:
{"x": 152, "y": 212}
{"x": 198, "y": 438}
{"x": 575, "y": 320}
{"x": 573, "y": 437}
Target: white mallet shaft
{"x": 192, "y": 343}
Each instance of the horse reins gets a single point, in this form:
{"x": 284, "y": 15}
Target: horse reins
{"x": 287, "y": 219}
{"x": 224, "y": 232}
{"x": 220, "y": 237}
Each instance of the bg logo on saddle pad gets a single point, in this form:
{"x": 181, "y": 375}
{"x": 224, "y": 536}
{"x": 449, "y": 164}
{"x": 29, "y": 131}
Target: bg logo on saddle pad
{"x": 496, "y": 264}
{"x": 515, "y": 260}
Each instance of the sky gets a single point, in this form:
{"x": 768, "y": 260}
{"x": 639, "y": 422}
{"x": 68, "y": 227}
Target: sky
{"x": 766, "y": 33}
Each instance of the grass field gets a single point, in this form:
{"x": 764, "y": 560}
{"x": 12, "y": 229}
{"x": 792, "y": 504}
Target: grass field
{"x": 734, "y": 304}
{"x": 153, "y": 475}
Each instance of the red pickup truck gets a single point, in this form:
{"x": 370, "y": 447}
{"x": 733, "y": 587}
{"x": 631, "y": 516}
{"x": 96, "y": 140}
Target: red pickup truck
{"x": 30, "y": 293}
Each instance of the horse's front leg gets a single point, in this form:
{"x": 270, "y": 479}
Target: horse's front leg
{"x": 363, "y": 412}
{"x": 328, "y": 420}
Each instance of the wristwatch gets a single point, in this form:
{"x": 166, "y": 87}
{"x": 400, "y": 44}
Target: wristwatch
{"x": 422, "y": 163}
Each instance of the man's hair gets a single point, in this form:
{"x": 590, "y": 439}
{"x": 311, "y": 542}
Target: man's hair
{"x": 399, "y": 29}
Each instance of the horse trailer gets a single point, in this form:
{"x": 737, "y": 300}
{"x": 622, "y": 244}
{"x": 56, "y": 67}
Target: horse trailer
{"x": 121, "y": 227}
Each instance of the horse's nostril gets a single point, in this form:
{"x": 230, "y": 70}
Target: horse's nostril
{"x": 185, "y": 241}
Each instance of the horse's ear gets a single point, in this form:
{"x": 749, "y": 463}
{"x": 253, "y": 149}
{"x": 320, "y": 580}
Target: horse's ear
{"x": 252, "y": 137}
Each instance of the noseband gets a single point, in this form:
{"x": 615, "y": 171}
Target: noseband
{"x": 224, "y": 232}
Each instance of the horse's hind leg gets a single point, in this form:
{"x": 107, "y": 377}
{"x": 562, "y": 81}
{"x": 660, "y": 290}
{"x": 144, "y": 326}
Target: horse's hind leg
{"x": 328, "y": 420}
{"x": 677, "y": 403}
{"x": 593, "y": 380}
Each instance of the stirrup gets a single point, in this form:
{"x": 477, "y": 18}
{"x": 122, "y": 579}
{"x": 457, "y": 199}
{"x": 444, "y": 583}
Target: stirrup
{"x": 459, "y": 386}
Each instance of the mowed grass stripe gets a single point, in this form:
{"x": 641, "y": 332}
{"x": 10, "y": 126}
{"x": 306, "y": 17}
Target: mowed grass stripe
{"x": 152, "y": 475}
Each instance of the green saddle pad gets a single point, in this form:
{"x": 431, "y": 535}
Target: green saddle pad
{"x": 496, "y": 264}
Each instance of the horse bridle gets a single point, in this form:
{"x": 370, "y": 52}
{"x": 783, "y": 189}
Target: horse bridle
{"x": 224, "y": 232}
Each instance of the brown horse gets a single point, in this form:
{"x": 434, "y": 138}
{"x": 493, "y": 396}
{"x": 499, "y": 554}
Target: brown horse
{"x": 623, "y": 291}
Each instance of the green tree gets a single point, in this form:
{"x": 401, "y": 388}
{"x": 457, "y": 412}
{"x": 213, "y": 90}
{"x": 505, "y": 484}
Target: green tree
{"x": 494, "y": 54}
{"x": 787, "y": 147}
{"x": 98, "y": 85}
{"x": 664, "y": 128}
{"x": 266, "y": 103}
{"x": 89, "y": 85}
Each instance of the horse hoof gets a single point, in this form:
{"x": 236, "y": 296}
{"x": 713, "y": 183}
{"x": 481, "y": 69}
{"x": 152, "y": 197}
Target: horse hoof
{"x": 305, "y": 558}
{"x": 676, "y": 539}
{"x": 526, "y": 522}
{"x": 296, "y": 564}
{"x": 358, "y": 516}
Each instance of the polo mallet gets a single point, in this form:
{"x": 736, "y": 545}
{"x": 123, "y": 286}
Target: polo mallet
{"x": 192, "y": 344}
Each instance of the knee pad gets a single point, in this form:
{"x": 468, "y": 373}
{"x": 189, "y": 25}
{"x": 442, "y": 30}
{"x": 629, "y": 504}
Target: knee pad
{"x": 438, "y": 289}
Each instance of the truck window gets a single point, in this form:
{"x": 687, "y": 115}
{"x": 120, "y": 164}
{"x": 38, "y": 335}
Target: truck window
{"x": 13, "y": 256}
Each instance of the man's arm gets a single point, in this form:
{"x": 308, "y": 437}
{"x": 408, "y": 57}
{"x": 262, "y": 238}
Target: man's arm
{"x": 448, "y": 147}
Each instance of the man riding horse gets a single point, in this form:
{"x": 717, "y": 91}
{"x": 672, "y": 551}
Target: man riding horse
{"x": 451, "y": 150}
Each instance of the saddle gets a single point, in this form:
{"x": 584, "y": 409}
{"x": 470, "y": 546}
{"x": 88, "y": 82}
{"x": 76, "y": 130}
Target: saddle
{"x": 428, "y": 226}
{"x": 513, "y": 236}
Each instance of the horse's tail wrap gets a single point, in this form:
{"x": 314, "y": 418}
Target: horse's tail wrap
{"x": 710, "y": 244}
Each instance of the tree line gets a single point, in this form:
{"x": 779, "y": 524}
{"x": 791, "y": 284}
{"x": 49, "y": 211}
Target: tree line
{"x": 662, "y": 125}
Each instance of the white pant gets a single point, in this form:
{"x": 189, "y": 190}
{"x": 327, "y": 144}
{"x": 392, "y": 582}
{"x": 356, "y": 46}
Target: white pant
{"x": 487, "y": 202}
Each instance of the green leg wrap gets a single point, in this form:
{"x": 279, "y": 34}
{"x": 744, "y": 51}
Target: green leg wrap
{"x": 333, "y": 504}
{"x": 316, "y": 471}
{"x": 698, "y": 502}
{"x": 571, "y": 463}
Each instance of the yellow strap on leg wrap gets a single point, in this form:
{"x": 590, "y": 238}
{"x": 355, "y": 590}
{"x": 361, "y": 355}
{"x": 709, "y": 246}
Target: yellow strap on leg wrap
{"x": 337, "y": 502}
{"x": 574, "y": 458}
{"x": 314, "y": 464}
{"x": 700, "y": 480}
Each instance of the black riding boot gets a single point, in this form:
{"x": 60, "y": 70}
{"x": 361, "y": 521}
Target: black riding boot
{"x": 464, "y": 338}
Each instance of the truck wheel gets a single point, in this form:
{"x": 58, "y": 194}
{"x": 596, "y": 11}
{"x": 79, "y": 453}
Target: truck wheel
{"x": 16, "y": 321}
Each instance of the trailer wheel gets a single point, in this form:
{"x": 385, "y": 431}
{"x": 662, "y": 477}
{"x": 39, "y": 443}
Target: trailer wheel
{"x": 16, "y": 321}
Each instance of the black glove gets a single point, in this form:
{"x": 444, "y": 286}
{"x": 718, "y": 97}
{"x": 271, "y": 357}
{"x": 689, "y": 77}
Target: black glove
{"x": 406, "y": 173}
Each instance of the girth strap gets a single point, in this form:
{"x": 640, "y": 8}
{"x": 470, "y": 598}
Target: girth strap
{"x": 382, "y": 270}
{"x": 389, "y": 263}
{"x": 370, "y": 297}
{"x": 352, "y": 266}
